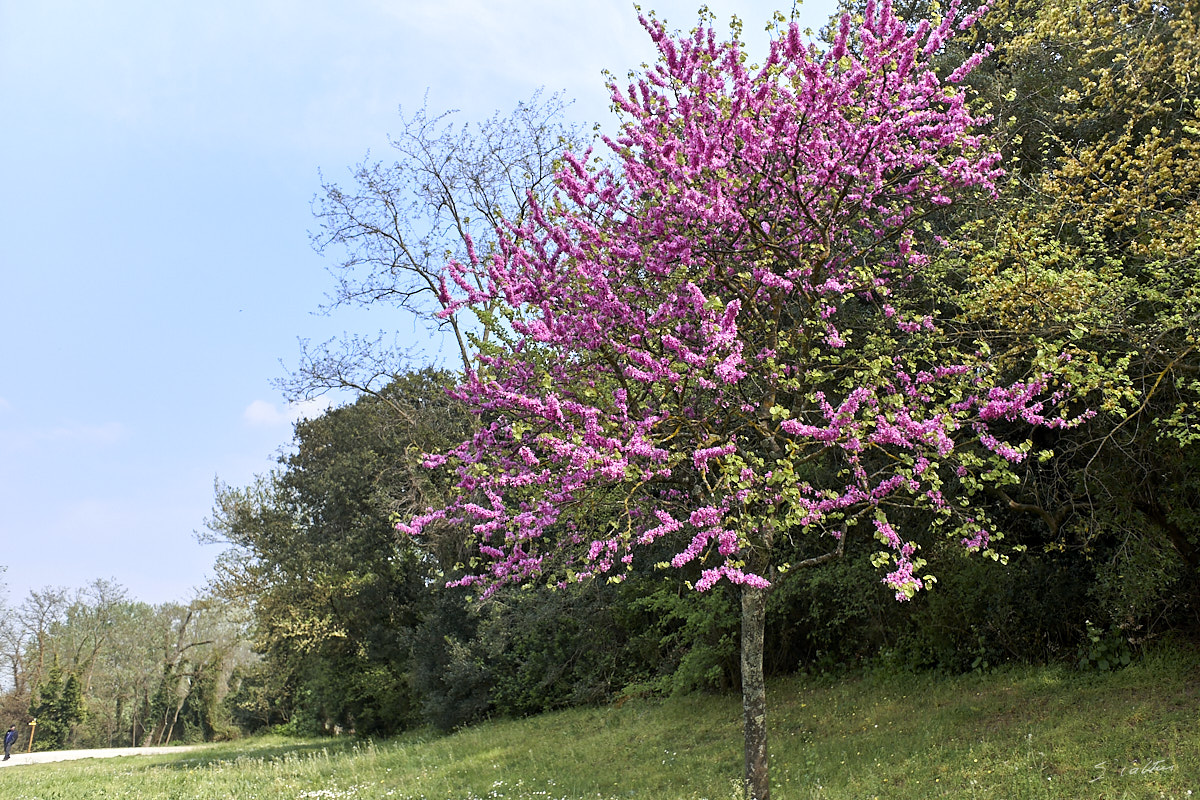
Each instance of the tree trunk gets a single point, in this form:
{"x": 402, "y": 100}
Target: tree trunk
{"x": 754, "y": 692}
{"x": 174, "y": 722}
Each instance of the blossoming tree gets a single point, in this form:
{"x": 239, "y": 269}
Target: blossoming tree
{"x": 719, "y": 339}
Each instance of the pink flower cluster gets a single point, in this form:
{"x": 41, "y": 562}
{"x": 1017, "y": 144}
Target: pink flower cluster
{"x": 693, "y": 323}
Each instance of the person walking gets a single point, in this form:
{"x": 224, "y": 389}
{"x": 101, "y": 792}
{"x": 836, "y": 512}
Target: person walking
{"x": 10, "y": 739}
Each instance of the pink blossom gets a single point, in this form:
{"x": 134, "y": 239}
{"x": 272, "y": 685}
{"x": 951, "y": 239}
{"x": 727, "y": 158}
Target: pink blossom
{"x": 721, "y": 260}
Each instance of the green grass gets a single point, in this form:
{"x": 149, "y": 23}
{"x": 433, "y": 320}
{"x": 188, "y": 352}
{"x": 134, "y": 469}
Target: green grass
{"x": 1014, "y": 734}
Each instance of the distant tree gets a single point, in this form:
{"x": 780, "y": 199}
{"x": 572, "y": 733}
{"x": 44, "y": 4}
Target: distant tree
{"x": 125, "y": 674}
{"x": 13, "y": 641}
{"x": 186, "y": 655}
{"x": 721, "y": 344}
{"x": 58, "y": 706}
{"x": 313, "y": 552}
{"x": 87, "y": 625}
{"x": 101, "y": 652}
{"x": 41, "y": 610}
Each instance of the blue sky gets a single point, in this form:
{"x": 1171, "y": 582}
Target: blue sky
{"x": 159, "y": 159}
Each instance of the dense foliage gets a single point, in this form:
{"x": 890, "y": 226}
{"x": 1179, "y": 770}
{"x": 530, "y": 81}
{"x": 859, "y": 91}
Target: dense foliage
{"x": 96, "y": 669}
{"x": 1091, "y": 250}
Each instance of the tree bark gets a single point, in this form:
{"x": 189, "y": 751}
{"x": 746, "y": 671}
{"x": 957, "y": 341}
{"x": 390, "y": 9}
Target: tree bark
{"x": 754, "y": 692}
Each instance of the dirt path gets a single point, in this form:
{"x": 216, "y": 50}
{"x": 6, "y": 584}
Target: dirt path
{"x": 71, "y": 755}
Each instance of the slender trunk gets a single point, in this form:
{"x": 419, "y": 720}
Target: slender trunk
{"x": 174, "y": 722}
{"x": 754, "y": 692}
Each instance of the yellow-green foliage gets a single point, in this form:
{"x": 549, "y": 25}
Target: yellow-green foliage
{"x": 1118, "y": 113}
{"x": 1093, "y": 250}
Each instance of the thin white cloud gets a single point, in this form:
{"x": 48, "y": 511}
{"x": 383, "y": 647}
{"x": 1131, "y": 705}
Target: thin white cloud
{"x": 73, "y": 434}
{"x": 262, "y": 414}
{"x": 105, "y": 434}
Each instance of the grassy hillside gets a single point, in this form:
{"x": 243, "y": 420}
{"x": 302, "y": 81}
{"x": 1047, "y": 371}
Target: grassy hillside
{"x": 1016, "y": 733}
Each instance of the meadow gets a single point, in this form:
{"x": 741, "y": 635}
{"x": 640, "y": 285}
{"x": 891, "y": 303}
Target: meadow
{"x": 1017, "y": 733}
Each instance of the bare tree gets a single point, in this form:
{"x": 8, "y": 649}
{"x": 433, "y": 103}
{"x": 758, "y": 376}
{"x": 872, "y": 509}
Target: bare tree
{"x": 36, "y": 617}
{"x": 395, "y": 228}
{"x": 89, "y": 625}
{"x": 13, "y": 642}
